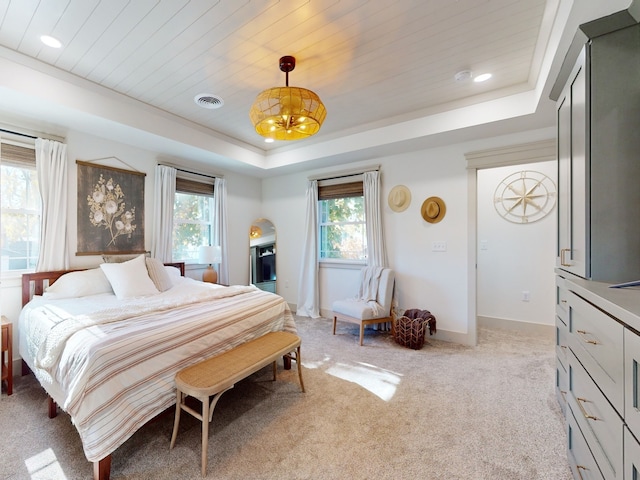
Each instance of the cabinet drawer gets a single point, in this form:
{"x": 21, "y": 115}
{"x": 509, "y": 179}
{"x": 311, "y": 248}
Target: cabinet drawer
{"x": 599, "y": 423}
{"x": 562, "y": 303}
{"x": 562, "y": 386}
{"x": 631, "y": 457}
{"x": 632, "y": 382}
{"x": 580, "y": 459}
{"x": 597, "y": 341}
{"x": 562, "y": 345}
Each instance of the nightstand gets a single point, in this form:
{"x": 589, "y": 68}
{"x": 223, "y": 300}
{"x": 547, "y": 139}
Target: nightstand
{"x": 7, "y": 354}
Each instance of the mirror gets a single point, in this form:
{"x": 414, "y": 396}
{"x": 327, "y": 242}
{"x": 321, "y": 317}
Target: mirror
{"x": 262, "y": 248}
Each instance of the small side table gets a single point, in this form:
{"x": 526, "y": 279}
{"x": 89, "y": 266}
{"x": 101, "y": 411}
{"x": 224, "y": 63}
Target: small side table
{"x": 7, "y": 354}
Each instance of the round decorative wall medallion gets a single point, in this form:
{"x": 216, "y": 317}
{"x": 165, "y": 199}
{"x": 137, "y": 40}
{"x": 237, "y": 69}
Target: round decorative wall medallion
{"x": 525, "y": 197}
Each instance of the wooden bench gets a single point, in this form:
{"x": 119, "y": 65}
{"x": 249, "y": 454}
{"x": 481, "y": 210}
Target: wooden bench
{"x": 216, "y": 375}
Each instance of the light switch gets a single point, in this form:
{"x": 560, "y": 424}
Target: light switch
{"x": 440, "y": 246}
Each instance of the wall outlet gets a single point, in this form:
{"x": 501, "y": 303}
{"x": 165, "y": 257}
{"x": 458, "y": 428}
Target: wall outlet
{"x": 525, "y": 296}
{"x": 439, "y": 246}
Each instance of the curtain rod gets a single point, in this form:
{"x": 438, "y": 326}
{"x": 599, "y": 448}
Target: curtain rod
{"x": 195, "y": 173}
{"x": 17, "y": 133}
{"x": 27, "y": 133}
{"x": 214, "y": 176}
{"x": 344, "y": 173}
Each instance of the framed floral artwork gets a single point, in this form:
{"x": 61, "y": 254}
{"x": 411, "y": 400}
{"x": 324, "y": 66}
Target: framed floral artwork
{"x": 110, "y": 210}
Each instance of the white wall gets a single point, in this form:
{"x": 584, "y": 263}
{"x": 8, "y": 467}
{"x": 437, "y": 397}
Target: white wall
{"x": 515, "y": 257}
{"x": 437, "y": 281}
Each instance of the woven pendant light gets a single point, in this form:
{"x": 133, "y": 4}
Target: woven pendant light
{"x": 287, "y": 113}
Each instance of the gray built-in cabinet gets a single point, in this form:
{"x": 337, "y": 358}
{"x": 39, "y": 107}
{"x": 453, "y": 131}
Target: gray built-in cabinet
{"x": 598, "y": 121}
{"x": 598, "y": 327}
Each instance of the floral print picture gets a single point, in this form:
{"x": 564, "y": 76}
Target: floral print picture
{"x": 110, "y": 210}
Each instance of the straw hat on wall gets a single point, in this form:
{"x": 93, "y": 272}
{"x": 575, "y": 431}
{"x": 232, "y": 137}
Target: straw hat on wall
{"x": 433, "y": 209}
{"x": 399, "y": 198}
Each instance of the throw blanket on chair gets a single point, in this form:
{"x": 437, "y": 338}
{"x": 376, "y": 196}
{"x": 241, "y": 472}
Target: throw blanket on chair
{"x": 369, "y": 284}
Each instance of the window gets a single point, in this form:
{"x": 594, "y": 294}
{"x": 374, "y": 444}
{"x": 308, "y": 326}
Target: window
{"x": 192, "y": 219}
{"x": 20, "y": 207}
{"x": 342, "y": 225}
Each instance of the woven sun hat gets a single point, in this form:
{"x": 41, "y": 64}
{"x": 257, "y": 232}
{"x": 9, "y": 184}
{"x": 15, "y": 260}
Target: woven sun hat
{"x": 433, "y": 209}
{"x": 399, "y": 198}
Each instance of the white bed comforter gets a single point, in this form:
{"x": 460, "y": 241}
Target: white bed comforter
{"x": 111, "y": 363}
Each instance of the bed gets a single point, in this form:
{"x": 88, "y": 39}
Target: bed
{"x": 109, "y": 358}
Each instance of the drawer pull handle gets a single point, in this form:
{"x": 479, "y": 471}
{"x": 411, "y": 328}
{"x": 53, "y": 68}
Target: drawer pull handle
{"x": 563, "y": 252}
{"x": 583, "y": 332}
{"x": 563, "y": 301}
{"x": 584, "y": 412}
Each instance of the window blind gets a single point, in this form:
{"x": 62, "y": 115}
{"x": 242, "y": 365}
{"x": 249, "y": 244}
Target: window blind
{"x": 340, "y": 190}
{"x": 17, "y": 156}
{"x": 194, "y": 187}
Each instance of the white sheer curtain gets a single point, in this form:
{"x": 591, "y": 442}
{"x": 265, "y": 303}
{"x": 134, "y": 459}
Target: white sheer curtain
{"x": 376, "y": 251}
{"x": 308, "y": 289}
{"x": 165, "y": 194}
{"x": 219, "y": 234}
{"x": 51, "y": 168}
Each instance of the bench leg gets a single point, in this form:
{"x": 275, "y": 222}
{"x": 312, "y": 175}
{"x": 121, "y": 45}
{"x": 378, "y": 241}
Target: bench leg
{"x": 176, "y": 422}
{"x": 296, "y": 356}
{"x": 207, "y": 415}
{"x": 299, "y": 365}
{"x": 205, "y": 432}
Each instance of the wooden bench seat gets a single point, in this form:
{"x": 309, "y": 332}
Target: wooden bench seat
{"x": 216, "y": 375}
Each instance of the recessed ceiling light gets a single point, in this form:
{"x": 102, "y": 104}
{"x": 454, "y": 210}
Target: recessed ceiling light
{"x": 208, "y": 100}
{"x": 482, "y": 77}
{"x": 50, "y": 41}
{"x": 269, "y": 140}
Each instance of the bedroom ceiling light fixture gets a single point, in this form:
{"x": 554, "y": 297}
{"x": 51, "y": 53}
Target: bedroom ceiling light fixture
{"x": 255, "y": 232}
{"x": 50, "y": 41}
{"x": 482, "y": 77}
{"x": 287, "y": 113}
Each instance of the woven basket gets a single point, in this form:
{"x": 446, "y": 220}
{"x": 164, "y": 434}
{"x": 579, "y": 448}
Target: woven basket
{"x": 410, "y": 329}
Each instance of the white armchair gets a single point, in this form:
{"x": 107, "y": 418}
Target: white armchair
{"x": 373, "y": 305}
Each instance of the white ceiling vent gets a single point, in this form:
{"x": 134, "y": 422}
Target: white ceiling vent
{"x": 208, "y": 100}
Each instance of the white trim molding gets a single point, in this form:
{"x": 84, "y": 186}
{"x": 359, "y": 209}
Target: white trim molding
{"x": 540, "y": 151}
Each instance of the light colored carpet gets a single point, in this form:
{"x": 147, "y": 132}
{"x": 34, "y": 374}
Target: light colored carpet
{"x": 380, "y": 411}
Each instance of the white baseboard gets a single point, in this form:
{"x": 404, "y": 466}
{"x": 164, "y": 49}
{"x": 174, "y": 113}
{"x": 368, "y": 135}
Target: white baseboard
{"x": 517, "y": 325}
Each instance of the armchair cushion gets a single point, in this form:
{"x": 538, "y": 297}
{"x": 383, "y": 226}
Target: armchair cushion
{"x": 354, "y": 308}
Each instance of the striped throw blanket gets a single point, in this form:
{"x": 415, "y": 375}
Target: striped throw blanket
{"x": 112, "y": 368}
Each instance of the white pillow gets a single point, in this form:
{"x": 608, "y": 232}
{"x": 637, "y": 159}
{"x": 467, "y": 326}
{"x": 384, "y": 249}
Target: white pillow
{"x": 120, "y": 258}
{"x": 129, "y": 279}
{"x": 158, "y": 274}
{"x": 78, "y": 284}
{"x": 174, "y": 274}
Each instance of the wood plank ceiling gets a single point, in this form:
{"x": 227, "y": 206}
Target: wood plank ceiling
{"x": 373, "y": 62}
